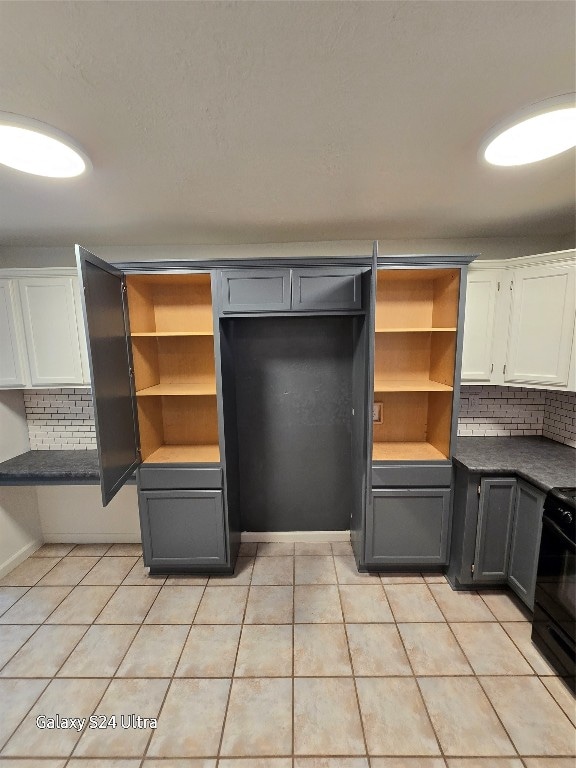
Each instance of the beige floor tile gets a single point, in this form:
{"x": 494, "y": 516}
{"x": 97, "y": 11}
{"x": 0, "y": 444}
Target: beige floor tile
{"x": 331, "y": 762}
{"x": 222, "y": 605}
{"x": 29, "y": 572}
{"x": 463, "y": 718}
{"x": 377, "y": 650}
{"x": 366, "y": 603}
{"x": 248, "y": 549}
{"x": 412, "y": 602}
{"x": 326, "y": 717}
{"x": 187, "y": 580}
{"x": 68, "y": 572}
{"x": 45, "y": 652}
{"x": 321, "y": 650}
{"x": 347, "y": 572}
{"x": 266, "y": 762}
{"x": 391, "y": 577}
{"x": 110, "y": 570}
{"x": 100, "y": 651}
{"x": 126, "y": 550}
{"x": 408, "y": 762}
{"x": 520, "y": 632}
{"x": 317, "y": 603}
{"x": 175, "y": 605}
{"x": 275, "y": 548}
{"x": 90, "y": 549}
{"x": 154, "y": 652}
{"x": 9, "y": 596}
{"x": 394, "y": 717}
{"x": 460, "y": 606}
{"x": 191, "y": 720}
{"x": 16, "y": 698}
{"x": 96, "y": 762}
{"x": 317, "y": 569}
{"x": 53, "y": 550}
{"x": 265, "y": 651}
{"x": 312, "y": 548}
{"x": 35, "y": 605}
{"x": 273, "y": 571}
{"x": 434, "y": 578}
{"x": 562, "y": 695}
{"x": 342, "y": 548}
{"x": 489, "y": 650}
{"x": 12, "y": 638}
{"x": 81, "y": 606}
{"x": 123, "y": 698}
{"x": 259, "y": 718}
{"x": 269, "y": 605}
{"x": 175, "y": 763}
{"x": 432, "y": 650}
{"x": 18, "y": 763}
{"x": 139, "y": 576}
{"x": 549, "y": 762}
{"x": 76, "y": 697}
{"x": 128, "y": 605}
{"x": 210, "y": 651}
{"x": 485, "y": 762}
{"x": 241, "y": 576}
{"x": 505, "y": 606}
{"x": 536, "y": 724}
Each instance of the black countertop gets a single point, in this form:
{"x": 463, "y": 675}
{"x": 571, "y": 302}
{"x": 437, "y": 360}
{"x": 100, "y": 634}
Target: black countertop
{"x": 542, "y": 462}
{"x": 51, "y": 468}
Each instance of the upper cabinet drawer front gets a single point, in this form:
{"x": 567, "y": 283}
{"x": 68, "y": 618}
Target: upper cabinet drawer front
{"x": 326, "y": 289}
{"x": 255, "y": 290}
{"x": 160, "y": 478}
{"x": 412, "y": 475}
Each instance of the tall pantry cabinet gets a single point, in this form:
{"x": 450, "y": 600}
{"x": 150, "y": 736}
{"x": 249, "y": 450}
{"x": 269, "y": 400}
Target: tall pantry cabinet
{"x": 314, "y": 395}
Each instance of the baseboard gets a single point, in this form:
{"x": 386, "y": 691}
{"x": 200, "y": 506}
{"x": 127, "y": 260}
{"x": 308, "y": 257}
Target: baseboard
{"x": 92, "y": 538}
{"x": 19, "y": 557}
{"x": 289, "y": 536}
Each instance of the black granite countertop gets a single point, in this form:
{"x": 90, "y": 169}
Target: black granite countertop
{"x": 542, "y": 462}
{"x": 51, "y": 468}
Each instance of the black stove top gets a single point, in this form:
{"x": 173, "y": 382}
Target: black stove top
{"x": 566, "y": 496}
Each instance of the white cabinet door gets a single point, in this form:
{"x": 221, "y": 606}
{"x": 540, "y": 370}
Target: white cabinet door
{"x": 477, "y": 357}
{"x": 12, "y": 371}
{"x": 51, "y": 328}
{"x": 541, "y": 326}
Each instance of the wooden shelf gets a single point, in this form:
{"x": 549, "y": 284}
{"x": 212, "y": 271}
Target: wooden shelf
{"x": 406, "y": 451}
{"x": 409, "y": 385}
{"x": 160, "y": 334}
{"x": 416, "y": 330}
{"x": 185, "y": 454}
{"x": 199, "y": 388}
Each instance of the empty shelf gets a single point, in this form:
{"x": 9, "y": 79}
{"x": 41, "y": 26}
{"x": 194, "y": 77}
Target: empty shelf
{"x": 409, "y": 385}
{"x": 413, "y": 330}
{"x": 408, "y": 451}
{"x": 174, "y": 333}
{"x": 185, "y": 454}
{"x": 197, "y": 388}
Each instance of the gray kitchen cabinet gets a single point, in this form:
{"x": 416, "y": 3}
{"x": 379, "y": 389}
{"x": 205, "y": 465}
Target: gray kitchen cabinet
{"x": 408, "y": 527}
{"x": 254, "y": 290}
{"x": 495, "y": 515}
{"x": 182, "y": 529}
{"x": 526, "y": 532}
{"x": 326, "y": 289}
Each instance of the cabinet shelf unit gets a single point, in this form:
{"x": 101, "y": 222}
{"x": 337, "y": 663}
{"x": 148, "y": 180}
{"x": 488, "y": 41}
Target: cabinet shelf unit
{"x": 174, "y": 367}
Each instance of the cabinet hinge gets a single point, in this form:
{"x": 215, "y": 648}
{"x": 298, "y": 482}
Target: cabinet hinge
{"x": 492, "y": 368}
{"x": 504, "y": 369}
{"x": 511, "y": 286}
{"x": 498, "y": 284}
{"x": 472, "y": 568}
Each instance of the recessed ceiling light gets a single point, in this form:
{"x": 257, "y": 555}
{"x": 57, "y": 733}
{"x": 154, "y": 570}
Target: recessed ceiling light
{"x": 34, "y": 147}
{"x": 542, "y": 130}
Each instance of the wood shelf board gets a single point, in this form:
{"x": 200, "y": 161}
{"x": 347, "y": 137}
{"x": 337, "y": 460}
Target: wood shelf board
{"x": 406, "y": 451}
{"x": 184, "y": 454}
{"x": 409, "y": 385}
{"x": 157, "y": 334}
{"x": 198, "y": 388}
{"x": 416, "y": 330}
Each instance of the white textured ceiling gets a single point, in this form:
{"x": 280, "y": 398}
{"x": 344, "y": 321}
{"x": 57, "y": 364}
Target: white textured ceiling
{"x": 226, "y": 122}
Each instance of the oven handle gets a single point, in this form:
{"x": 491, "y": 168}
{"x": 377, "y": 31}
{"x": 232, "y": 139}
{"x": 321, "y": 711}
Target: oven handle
{"x": 559, "y": 532}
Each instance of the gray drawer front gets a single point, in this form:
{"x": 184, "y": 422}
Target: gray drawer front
{"x": 418, "y": 475}
{"x": 159, "y": 478}
{"x": 326, "y": 289}
{"x": 255, "y": 290}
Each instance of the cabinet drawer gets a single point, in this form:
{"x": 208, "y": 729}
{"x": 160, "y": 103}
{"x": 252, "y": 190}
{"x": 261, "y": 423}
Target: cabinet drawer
{"x": 421, "y": 475}
{"x": 254, "y": 290}
{"x": 180, "y": 477}
{"x": 326, "y": 289}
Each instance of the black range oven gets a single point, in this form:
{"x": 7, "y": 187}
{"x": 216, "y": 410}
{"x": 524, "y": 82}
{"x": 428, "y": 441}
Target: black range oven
{"x": 554, "y": 623}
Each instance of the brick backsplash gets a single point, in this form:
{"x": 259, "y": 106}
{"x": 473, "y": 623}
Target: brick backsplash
{"x": 60, "y": 419}
{"x": 63, "y": 419}
{"x": 505, "y": 411}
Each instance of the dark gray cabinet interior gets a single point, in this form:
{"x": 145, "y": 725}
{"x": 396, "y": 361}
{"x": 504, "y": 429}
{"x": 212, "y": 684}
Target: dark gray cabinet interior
{"x": 526, "y": 532}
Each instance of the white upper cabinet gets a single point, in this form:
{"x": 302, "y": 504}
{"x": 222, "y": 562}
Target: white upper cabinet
{"x": 11, "y": 360}
{"x": 42, "y": 342}
{"x": 477, "y": 359}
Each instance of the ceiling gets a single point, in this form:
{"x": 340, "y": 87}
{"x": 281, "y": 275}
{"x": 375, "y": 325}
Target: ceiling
{"x": 251, "y": 122}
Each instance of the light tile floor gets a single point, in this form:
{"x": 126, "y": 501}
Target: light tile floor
{"x": 297, "y": 661}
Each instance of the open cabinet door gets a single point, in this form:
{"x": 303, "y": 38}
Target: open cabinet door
{"x": 109, "y": 354}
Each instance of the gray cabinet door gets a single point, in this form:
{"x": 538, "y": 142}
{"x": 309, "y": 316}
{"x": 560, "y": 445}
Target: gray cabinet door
{"x": 326, "y": 289}
{"x": 110, "y": 357}
{"x": 254, "y": 290}
{"x": 408, "y": 527}
{"x": 495, "y": 514}
{"x": 526, "y": 532}
{"x": 182, "y": 529}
